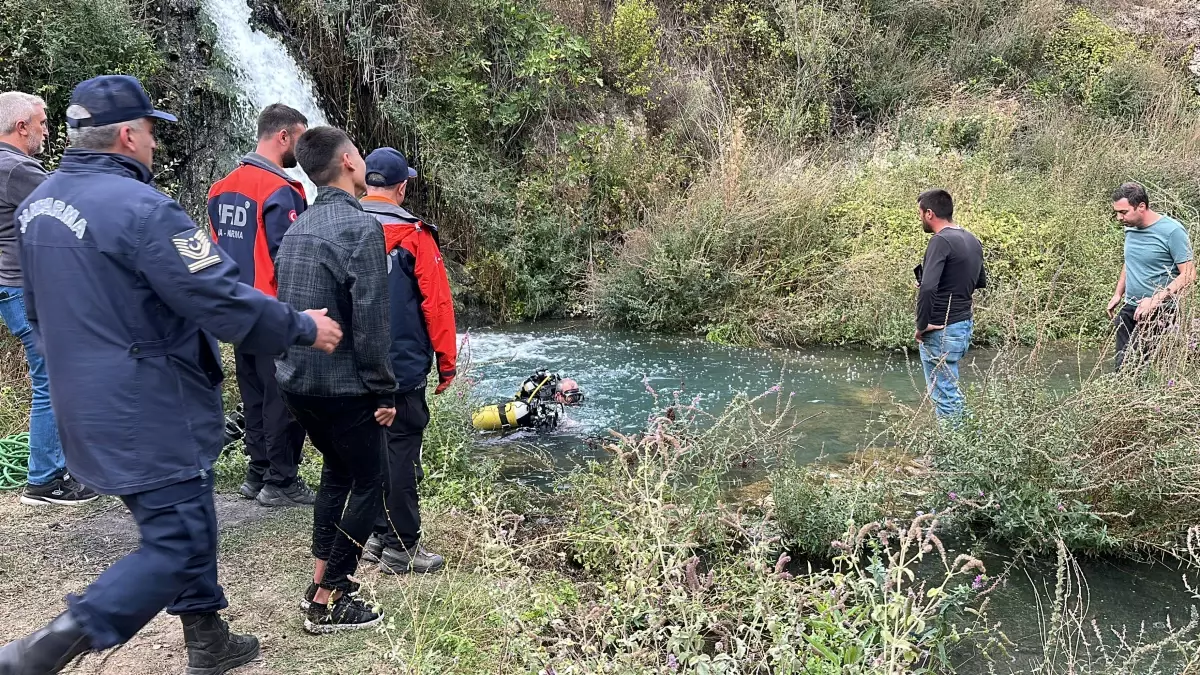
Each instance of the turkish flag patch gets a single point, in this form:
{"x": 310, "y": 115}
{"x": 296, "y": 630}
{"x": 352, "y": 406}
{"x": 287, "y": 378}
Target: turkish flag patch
{"x": 292, "y": 216}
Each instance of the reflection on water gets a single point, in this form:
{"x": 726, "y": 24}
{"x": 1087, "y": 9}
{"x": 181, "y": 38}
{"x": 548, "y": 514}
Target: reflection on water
{"x": 1118, "y": 595}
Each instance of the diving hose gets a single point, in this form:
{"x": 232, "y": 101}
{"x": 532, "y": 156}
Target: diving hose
{"x": 538, "y": 388}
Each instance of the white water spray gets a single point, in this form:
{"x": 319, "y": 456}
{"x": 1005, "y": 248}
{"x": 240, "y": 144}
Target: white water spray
{"x": 266, "y": 71}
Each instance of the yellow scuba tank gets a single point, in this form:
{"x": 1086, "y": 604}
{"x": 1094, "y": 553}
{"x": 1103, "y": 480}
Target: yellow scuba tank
{"x": 499, "y": 416}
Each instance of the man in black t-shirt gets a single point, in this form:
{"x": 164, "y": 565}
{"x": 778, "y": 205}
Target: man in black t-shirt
{"x": 952, "y": 270}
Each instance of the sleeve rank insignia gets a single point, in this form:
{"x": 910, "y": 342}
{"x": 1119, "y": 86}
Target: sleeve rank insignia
{"x": 196, "y": 249}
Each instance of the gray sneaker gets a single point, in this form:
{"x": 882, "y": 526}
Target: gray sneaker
{"x": 250, "y": 489}
{"x": 373, "y": 550}
{"x": 296, "y": 494}
{"x": 418, "y": 561}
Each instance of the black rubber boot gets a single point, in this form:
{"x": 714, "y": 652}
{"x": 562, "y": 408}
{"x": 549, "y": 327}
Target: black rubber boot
{"x": 212, "y": 649}
{"x": 46, "y": 651}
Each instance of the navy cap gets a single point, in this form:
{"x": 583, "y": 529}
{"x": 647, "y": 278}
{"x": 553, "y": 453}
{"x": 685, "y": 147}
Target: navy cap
{"x": 387, "y": 167}
{"x": 111, "y": 99}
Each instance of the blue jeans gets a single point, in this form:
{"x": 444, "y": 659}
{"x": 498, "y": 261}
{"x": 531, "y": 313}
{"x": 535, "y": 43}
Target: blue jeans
{"x": 941, "y": 351}
{"x": 46, "y": 460}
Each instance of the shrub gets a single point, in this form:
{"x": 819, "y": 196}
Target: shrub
{"x": 1082, "y": 51}
{"x": 1106, "y": 71}
{"x": 1100, "y": 467}
{"x": 48, "y": 49}
{"x": 577, "y": 176}
{"x": 16, "y": 393}
{"x": 1106, "y": 465}
{"x": 630, "y": 43}
{"x": 687, "y": 584}
{"x": 455, "y": 476}
{"x": 816, "y": 506}
{"x": 795, "y": 253}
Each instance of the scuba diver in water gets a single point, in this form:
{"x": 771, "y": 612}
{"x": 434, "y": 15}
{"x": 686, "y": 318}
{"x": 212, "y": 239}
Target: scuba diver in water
{"x": 545, "y": 386}
{"x": 538, "y": 404}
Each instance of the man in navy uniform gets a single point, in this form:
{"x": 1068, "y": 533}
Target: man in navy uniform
{"x": 128, "y": 297}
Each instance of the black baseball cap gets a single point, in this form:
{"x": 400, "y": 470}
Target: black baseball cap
{"x": 387, "y": 167}
{"x": 111, "y": 99}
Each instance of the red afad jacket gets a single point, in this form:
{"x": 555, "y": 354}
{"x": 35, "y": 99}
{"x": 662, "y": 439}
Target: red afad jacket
{"x": 422, "y": 308}
{"x": 248, "y": 212}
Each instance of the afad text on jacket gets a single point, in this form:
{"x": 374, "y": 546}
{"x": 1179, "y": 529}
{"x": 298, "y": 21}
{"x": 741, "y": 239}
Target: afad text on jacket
{"x": 248, "y": 212}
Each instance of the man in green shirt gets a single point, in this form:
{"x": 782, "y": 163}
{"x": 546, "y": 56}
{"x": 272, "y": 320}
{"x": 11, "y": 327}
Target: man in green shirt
{"x": 1158, "y": 269}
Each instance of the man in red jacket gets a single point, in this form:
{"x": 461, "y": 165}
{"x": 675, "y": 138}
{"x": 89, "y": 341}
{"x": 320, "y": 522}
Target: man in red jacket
{"x": 422, "y": 315}
{"x": 248, "y": 211}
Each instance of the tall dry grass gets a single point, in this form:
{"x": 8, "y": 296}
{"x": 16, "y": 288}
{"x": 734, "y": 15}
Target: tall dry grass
{"x": 15, "y": 390}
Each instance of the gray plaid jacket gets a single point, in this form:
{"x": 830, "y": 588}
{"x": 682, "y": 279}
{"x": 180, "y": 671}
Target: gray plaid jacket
{"x": 333, "y": 257}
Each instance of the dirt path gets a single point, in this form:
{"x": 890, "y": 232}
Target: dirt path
{"x": 1177, "y": 22}
{"x": 53, "y": 552}
{"x": 264, "y": 567}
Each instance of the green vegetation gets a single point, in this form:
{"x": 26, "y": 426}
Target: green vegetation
{"x": 745, "y": 170}
{"x": 637, "y": 564}
{"x": 47, "y": 50}
{"x": 16, "y": 394}
{"x": 629, "y": 44}
{"x": 1105, "y": 464}
{"x": 748, "y": 170}
{"x": 639, "y": 567}
{"x": 641, "y": 563}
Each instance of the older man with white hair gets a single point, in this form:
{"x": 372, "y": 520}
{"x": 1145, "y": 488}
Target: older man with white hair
{"x": 23, "y": 134}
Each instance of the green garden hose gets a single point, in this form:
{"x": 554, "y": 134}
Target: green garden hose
{"x": 14, "y": 461}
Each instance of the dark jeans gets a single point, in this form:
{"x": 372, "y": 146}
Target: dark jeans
{"x": 1137, "y": 340}
{"x": 175, "y": 566}
{"x": 400, "y": 523}
{"x": 274, "y": 440}
{"x": 352, "y": 443}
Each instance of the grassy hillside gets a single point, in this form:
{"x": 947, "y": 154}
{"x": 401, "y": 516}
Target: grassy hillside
{"x": 745, "y": 170}
{"x": 748, "y": 169}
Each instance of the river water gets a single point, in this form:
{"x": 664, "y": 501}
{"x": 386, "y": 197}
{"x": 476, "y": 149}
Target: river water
{"x": 838, "y": 397}
{"x": 841, "y": 400}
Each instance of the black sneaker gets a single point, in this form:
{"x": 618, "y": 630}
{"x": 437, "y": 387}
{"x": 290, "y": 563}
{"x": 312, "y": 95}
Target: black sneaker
{"x": 306, "y": 601}
{"x": 347, "y": 613}
{"x": 296, "y": 494}
{"x": 252, "y": 484}
{"x": 65, "y": 491}
{"x": 373, "y": 549}
{"x": 250, "y": 489}
{"x": 417, "y": 561}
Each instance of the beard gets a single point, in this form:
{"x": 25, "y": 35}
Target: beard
{"x": 36, "y": 146}
{"x": 288, "y": 161}
{"x": 926, "y": 227}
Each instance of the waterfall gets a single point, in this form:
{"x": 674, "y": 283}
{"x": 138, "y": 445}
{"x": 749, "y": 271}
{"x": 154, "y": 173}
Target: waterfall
{"x": 266, "y": 71}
